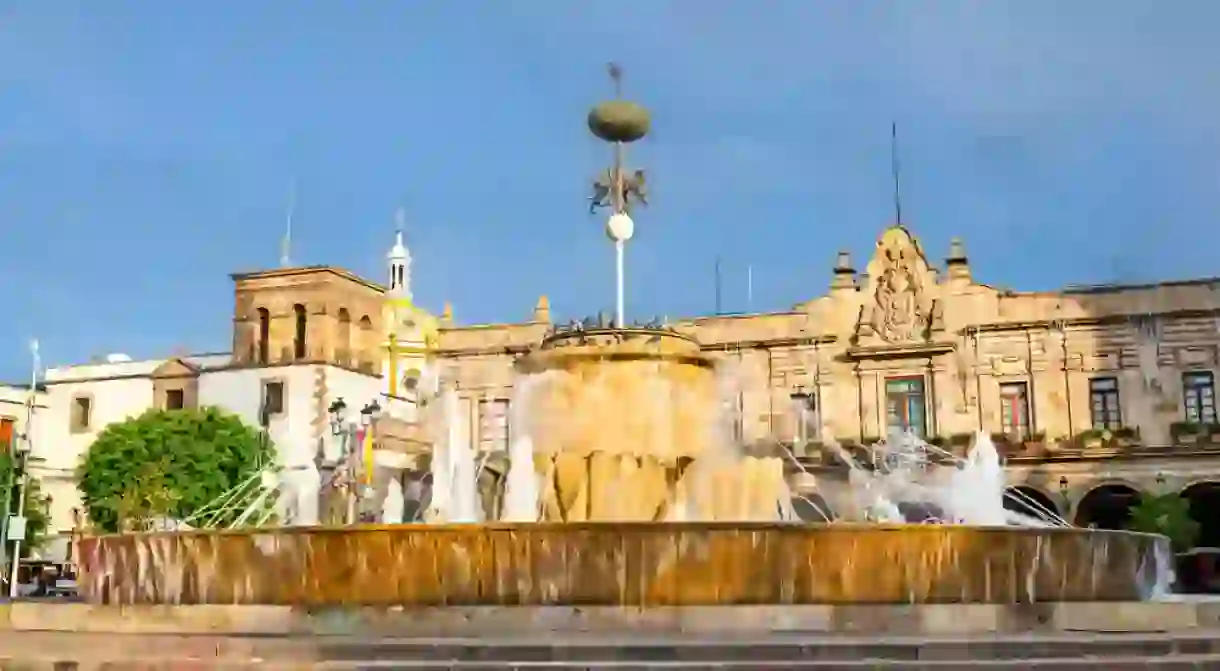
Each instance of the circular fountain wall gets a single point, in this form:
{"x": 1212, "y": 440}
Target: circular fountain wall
{"x": 622, "y": 564}
{"x": 629, "y": 493}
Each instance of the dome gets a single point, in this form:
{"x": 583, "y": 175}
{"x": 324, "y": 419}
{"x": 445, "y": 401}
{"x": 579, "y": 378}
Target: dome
{"x": 399, "y": 250}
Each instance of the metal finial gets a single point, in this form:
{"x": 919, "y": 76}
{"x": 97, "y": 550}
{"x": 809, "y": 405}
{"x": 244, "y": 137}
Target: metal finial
{"x": 286, "y": 240}
{"x": 616, "y": 75}
{"x": 618, "y": 122}
{"x": 894, "y": 166}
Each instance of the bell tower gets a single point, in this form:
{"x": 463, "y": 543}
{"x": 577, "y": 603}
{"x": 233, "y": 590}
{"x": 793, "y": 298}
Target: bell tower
{"x": 410, "y": 332}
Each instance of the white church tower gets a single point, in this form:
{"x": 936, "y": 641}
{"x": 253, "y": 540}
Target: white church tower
{"x": 410, "y": 332}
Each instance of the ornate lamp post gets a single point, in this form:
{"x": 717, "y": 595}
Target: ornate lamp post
{"x": 619, "y": 122}
{"x": 352, "y": 465}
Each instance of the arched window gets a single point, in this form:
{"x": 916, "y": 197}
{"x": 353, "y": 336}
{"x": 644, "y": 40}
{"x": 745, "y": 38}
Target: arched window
{"x": 367, "y": 345}
{"x": 298, "y": 342}
{"x": 344, "y": 340}
{"x": 264, "y": 335}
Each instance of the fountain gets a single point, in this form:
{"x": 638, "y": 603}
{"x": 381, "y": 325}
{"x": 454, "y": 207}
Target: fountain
{"x": 627, "y": 485}
{"x": 622, "y": 423}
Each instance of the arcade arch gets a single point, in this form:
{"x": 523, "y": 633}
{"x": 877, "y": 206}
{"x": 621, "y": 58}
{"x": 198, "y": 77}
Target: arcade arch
{"x": 1204, "y": 500}
{"x": 1031, "y": 502}
{"x": 812, "y": 507}
{"x": 1107, "y": 506}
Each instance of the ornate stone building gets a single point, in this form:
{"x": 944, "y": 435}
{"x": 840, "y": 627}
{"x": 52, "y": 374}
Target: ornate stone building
{"x": 1097, "y": 395}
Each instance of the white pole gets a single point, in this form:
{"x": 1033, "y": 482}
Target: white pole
{"x": 24, "y": 457}
{"x": 619, "y": 249}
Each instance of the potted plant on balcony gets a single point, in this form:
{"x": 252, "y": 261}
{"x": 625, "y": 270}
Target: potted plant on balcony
{"x": 959, "y": 443}
{"x": 1004, "y": 444}
{"x": 1091, "y": 439}
{"x": 1126, "y": 437}
{"x": 1035, "y": 443}
{"x": 1186, "y": 432}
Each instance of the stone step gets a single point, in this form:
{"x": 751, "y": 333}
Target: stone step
{"x": 1177, "y": 663}
{"x": 776, "y": 650}
{"x": 1181, "y": 650}
{"x": 1115, "y": 663}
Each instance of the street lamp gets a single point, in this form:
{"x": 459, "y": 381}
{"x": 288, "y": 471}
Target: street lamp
{"x": 370, "y": 412}
{"x": 336, "y": 416}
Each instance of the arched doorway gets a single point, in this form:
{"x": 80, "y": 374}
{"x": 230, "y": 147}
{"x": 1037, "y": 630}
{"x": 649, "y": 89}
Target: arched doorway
{"x": 1107, "y": 507}
{"x": 812, "y": 508}
{"x": 1204, "y": 500}
{"x": 1031, "y": 502}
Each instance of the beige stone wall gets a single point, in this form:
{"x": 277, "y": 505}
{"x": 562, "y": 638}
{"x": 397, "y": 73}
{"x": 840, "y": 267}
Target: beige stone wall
{"x": 335, "y": 304}
{"x": 902, "y": 316}
{"x": 963, "y": 338}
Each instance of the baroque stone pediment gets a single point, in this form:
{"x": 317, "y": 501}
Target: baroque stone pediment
{"x": 175, "y": 367}
{"x": 899, "y": 306}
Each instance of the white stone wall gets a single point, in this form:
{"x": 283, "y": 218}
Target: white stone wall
{"x": 117, "y": 391}
{"x": 296, "y": 432}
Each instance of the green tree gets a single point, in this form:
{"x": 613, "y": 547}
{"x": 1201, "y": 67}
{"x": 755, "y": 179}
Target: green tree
{"x": 167, "y": 463}
{"x": 1168, "y": 515}
{"x": 37, "y": 515}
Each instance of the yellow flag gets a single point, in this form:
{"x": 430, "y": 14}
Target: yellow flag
{"x": 367, "y": 452}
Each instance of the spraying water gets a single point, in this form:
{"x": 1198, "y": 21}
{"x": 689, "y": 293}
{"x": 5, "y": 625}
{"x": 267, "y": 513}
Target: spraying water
{"x": 521, "y": 485}
{"x": 913, "y": 481}
{"x": 454, "y": 492}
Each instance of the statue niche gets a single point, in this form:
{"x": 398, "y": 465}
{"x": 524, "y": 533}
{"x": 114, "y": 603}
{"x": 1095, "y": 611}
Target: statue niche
{"x": 901, "y": 309}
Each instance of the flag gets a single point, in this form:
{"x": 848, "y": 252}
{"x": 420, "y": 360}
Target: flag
{"x": 367, "y": 451}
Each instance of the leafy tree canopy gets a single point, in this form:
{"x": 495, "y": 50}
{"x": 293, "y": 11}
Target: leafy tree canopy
{"x": 1168, "y": 515}
{"x": 167, "y": 463}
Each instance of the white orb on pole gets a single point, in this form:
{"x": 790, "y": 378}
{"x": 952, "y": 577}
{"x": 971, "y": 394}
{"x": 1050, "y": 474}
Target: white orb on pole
{"x": 620, "y": 227}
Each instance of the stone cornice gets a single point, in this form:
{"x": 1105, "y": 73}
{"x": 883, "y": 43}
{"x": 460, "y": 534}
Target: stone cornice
{"x": 1107, "y": 320}
{"x": 898, "y": 351}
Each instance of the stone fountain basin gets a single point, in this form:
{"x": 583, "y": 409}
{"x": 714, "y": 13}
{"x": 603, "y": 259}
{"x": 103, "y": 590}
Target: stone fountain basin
{"x": 621, "y": 564}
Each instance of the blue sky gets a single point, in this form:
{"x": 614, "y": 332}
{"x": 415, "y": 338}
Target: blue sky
{"x": 147, "y": 149}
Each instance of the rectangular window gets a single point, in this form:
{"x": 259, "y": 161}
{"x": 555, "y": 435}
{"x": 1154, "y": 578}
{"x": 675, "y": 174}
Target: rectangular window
{"x": 904, "y": 400}
{"x": 493, "y": 425}
{"x": 175, "y": 399}
{"x": 1014, "y": 409}
{"x": 1103, "y": 395}
{"x": 1199, "y": 397}
{"x": 82, "y": 411}
{"x": 805, "y": 417}
{"x": 273, "y": 399}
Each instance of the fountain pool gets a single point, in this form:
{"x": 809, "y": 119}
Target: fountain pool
{"x": 625, "y": 488}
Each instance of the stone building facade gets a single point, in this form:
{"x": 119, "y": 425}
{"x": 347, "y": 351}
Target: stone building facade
{"x": 1096, "y": 395}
